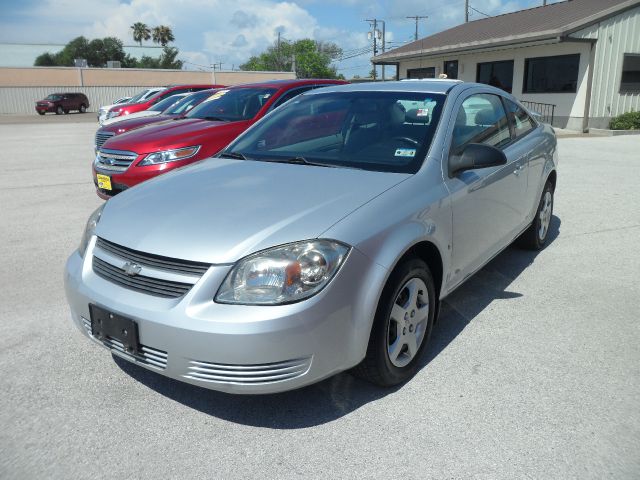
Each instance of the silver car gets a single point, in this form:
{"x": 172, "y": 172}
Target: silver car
{"x": 322, "y": 239}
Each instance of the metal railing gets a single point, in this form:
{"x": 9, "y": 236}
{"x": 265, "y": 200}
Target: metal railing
{"x": 544, "y": 111}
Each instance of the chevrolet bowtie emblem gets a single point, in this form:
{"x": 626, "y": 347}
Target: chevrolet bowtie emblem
{"x": 131, "y": 269}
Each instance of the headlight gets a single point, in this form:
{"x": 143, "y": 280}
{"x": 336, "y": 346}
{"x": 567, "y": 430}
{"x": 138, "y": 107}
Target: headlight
{"x": 113, "y": 113}
{"x": 285, "y": 274}
{"x": 89, "y": 229}
{"x": 169, "y": 156}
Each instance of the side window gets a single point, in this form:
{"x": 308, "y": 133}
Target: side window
{"x": 290, "y": 94}
{"x": 522, "y": 122}
{"x": 481, "y": 119}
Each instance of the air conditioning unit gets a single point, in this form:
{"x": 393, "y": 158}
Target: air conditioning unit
{"x": 80, "y": 62}
{"x": 113, "y": 64}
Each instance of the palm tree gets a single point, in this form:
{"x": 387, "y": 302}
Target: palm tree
{"x": 162, "y": 35}
{"x": 140, "y": 32}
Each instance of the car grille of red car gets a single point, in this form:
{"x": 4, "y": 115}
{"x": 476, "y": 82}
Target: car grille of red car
{"x": 114, "y": 160}
{"x": 102, "y": 137}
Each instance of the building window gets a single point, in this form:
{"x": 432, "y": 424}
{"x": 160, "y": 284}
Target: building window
{"x": 429, "y": 72}
{"x": 497, "y": 74}
{"x": 451, "y": 69}
{"x": 551, "y": 74}
{"x": 630, "y": 73}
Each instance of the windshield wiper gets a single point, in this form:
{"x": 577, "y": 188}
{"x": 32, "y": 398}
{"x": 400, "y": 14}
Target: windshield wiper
{"x": 215, "y": 119}
{"x": 234, "y": 155}
{"x": 299, "y": 160}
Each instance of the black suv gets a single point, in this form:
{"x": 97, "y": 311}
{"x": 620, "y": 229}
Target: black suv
{"x": 62, "y": 103}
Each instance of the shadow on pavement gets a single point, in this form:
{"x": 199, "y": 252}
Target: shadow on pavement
{"x": 343, "y": 393}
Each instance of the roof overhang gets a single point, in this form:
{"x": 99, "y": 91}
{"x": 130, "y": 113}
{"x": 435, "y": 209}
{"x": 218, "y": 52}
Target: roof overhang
{"x": 549, "y": 36}
{"x": 475, "y": 47}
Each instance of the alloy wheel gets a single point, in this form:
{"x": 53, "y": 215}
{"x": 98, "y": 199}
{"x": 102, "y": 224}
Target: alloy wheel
{"x": 408, "y": 322}
{"x": 545, "y": 214}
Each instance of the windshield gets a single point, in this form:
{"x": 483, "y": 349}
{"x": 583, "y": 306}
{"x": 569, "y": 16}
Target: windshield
{"x": 53, "y": 97}
{"x": 166, "y": 103}
{"x": 233, "y": 104}
{"x": 187, "y": 103}
{"x": 382, "y": 131}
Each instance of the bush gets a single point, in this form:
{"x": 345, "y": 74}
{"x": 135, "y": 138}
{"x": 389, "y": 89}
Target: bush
{"x": 626, "y": 121}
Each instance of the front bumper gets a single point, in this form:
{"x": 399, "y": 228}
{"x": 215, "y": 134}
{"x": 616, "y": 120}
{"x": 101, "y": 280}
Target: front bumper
{"x": 237, "y": 348}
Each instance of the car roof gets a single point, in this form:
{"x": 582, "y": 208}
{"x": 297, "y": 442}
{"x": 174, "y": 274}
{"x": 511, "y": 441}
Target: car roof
{"x": 290, "y": 83}
{"x": 422, "y": 86}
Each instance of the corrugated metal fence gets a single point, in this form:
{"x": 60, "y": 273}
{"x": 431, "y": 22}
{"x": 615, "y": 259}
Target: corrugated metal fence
{"x": 21, "y": 100}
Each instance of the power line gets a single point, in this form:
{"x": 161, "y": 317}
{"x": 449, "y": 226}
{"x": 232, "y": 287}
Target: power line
{"x": 478, "y": 11}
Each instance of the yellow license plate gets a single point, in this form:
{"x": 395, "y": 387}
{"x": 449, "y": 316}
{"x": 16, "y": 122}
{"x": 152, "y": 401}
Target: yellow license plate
{"x": 104, "y": 182}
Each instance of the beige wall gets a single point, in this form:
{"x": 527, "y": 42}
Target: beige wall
{"x": 569, "y": 106}
{"x": 21, "y": 87}
{"x": 112, "y": 77}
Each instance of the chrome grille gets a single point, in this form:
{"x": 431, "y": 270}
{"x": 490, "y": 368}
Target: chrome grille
{"x": 184, "y": 267}
{"x": 248, "y": 374}
{"x": 140, "y": 283}
{"x": 114, "y": 160}
{"x": 102, "y": 137}
{"x": 148, "y": 356}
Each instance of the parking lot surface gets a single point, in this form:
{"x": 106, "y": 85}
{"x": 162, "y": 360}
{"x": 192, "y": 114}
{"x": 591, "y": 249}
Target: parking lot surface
{"x": 533, "y": 370}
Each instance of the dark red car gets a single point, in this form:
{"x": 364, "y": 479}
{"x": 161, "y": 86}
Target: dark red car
{"x": 128, "y": 159}
{"x": 60, "y": 103}
{"x": 127, "y": 108}
{"x": 169, "y": 110}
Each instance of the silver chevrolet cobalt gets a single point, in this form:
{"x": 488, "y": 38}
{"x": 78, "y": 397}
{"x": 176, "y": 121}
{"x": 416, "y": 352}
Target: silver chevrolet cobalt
{"x": 322, "y": 239}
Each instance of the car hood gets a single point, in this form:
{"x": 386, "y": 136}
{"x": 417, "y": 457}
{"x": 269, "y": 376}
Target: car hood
{"x": 218, "y": 210}
{"x": 122, "y": 118}
{"x": 127, "y": 124}
{"x": 166, "y": 135}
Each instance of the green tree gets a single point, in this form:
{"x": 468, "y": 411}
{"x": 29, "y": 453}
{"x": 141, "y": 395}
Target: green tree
{"x": 312, "y": 58}
{"x": 162, "y": 35}
{"x": 76, "y": 48}
{"x": 99, "y": 51}
{"x": 46, "y": 60}
{"x": 140, "y": 32}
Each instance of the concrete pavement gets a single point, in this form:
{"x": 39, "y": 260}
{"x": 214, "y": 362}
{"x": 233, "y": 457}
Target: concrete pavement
{"x": 533, "y": 372}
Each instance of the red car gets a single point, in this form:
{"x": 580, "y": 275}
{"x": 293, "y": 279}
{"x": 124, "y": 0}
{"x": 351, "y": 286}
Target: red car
{"x": 131, "y": 158}
{"x": 127, "y": 108}
{"x": 63, "y": 102}
{"x": 169, "y": 110}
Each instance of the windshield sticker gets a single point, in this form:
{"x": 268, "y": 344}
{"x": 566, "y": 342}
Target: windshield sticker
{"x": 405, "y": 152}
{"x": 422, "y": 112}
{"x": 216, "y": 95}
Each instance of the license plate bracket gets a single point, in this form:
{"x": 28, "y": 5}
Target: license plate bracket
{"x": 105, "y": 324}
{"x": 104, "y": 181}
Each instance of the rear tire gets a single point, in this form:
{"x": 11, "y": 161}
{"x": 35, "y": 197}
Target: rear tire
{"x": 401, "y": 327}
{"x": 535, "y": 237}
{"x": 59, "y": 110}
{"x": 83, "y": 108}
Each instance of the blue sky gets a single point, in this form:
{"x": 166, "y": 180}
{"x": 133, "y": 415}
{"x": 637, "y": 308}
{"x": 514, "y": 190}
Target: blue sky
{"x": 212, "y": 31}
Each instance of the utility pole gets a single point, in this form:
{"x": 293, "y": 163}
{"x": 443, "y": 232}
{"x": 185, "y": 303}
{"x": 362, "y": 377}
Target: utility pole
{"x": 374, "y": 23}
{"x": 278, "y": 54}
{"x": 383, "y": 45}
{"x": 416, "y": 18}
{"x": 466, "y": 11}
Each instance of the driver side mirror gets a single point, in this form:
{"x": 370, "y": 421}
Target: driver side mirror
{"x": 474, "y": 156}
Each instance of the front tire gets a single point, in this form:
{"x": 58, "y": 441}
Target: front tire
{"x": 40, "y": 113}
{"x": 83, "y": 108}
{"x": 535, "y": 237}
{"x": 402, "y": 325}
{"x": 59, "y": 110}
